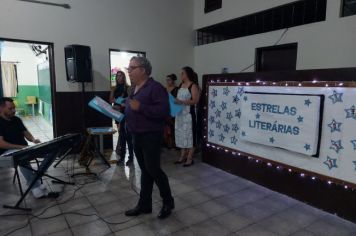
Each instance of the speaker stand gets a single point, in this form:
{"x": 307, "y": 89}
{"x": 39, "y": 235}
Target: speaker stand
{"x": 83, "y": 108}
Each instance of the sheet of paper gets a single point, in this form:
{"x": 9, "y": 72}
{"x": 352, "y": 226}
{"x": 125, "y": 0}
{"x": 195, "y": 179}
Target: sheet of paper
{"x": 105, "y": 108}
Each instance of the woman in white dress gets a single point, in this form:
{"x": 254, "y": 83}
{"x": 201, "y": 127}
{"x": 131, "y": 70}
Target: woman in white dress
{"x": 185, "y": 122}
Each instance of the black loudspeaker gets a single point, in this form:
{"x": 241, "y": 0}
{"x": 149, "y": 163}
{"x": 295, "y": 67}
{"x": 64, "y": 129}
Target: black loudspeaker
{"x": 78, "y": 63}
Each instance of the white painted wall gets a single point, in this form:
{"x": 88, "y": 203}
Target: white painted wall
{"x": 27, "y": 66}
{"x": 327, "y": 44}
{"x": 164, "y": 29}
{"x": 161, "y": 28}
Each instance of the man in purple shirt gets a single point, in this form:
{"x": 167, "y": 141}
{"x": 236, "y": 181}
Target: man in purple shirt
{"x": 146, "y": 110}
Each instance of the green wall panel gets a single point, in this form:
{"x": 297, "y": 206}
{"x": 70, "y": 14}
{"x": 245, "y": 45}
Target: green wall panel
{"x": 44, "y": 83}
{"x": 47, "y": 112}
{"x": 24, "y": 91}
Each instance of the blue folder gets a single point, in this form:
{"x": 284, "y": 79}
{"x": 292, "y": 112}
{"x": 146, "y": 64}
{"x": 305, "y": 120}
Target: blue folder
{"x": 120, "y": 100}
{"x": 105, "y": 108}
{"x": 175, "y": 108}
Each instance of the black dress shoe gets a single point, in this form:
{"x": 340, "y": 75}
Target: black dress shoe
{"x": 165, "y": 211}
{"x": 138, "y": 211}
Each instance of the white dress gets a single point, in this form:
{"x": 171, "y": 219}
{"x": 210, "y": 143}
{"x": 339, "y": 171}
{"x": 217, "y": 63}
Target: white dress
{"x": 183, "y": 122}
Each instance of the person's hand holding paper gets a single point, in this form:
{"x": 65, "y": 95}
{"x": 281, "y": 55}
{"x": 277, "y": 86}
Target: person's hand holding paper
{"x": 120, "y": 100}
{"x": 134, "y": 104}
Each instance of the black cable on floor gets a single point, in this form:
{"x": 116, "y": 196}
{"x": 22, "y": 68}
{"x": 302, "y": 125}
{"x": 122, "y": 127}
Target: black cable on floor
{"x": 73, "y": 213}
{"x": 44, "y": 210}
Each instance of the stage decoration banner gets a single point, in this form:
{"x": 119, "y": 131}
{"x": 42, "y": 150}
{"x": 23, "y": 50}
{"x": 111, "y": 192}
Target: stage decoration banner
{"x": 304, "y": 113}
{"x": 288, "y": 121}
{"x": 230, "y": 107}
{"x": 105, "y": 108}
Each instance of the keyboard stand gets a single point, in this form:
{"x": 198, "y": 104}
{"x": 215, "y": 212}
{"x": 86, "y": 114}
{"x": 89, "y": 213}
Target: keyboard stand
{"x": 63, "y": 157}
{"x": 49, "y": 153}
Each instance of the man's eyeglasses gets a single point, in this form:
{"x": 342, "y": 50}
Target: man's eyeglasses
{"x": 131, "y": 68}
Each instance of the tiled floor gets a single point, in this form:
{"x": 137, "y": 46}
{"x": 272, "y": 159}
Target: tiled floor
{"x": 208, "y": 202}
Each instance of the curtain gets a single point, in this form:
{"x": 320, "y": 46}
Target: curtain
{"x": 9, "y": 79}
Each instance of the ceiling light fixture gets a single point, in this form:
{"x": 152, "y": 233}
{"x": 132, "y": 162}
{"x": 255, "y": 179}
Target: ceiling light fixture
{"x": 64, "y": 5}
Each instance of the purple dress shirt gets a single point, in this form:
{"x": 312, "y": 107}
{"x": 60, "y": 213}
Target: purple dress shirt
{"x": 154, "y": 108}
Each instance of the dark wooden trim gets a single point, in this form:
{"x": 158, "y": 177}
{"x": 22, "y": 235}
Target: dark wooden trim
{"x": 74, "y": 115}
{"x": 53, "y": 86}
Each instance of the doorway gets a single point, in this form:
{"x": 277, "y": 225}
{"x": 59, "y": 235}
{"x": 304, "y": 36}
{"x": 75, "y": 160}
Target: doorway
{"x": 277, "y": 58}
{"x": 119, "y": 60}
{"x": 27, "y": 77}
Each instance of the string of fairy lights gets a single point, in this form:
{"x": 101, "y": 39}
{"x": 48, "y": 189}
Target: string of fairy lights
{"x": 257, "y": 160}
{"x": 312, "y": 83}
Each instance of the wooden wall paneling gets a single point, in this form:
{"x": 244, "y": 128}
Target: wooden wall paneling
{"x": 73, "y": 115}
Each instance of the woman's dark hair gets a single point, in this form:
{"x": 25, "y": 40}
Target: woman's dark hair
{"x": 195, "y": 79}
{"x": 123, "y": 75}
{"x": 190, "y": 73}
{"x": 172, "y": 77}
{"x": 192, "y": 76}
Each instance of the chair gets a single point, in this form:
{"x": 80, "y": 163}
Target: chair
{"x": 31, "y": 100}
{"x": 19, "y": 110}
